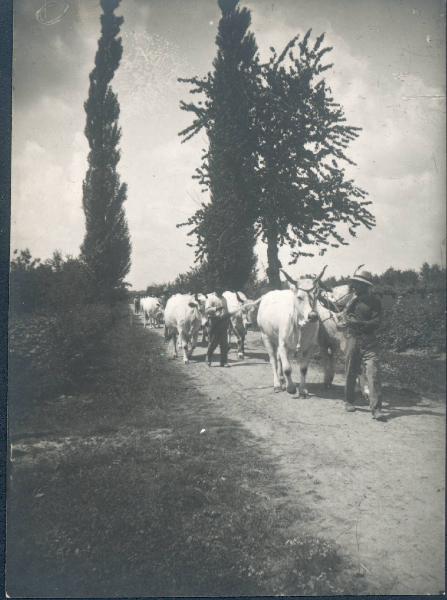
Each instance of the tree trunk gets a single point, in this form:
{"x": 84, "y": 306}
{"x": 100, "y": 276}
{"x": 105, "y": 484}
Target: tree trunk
{"x": 273, "y": 262}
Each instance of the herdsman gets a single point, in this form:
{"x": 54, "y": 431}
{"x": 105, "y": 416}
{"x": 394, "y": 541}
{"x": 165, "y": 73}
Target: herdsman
{"x": 363, "y": 316}
{"x": 218, "y": 322}
{"x": 137, "y": 304}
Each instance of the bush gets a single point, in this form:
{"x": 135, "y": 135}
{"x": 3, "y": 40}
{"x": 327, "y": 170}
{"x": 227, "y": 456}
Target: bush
{"x": 43, "y": 288}
{"x": 57, "y": 333}
{"x": 58, "y": 353}
{"x": 415, "y": 321}
{"x": 78, "y": 335}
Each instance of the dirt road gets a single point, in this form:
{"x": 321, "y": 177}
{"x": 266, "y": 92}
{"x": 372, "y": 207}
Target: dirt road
{"x": 375, "y": 488}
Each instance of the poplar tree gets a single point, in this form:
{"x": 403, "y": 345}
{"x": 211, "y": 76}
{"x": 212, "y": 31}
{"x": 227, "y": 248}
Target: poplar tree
{"x": 106, "y": 247}
{"x": 224, "y": 227}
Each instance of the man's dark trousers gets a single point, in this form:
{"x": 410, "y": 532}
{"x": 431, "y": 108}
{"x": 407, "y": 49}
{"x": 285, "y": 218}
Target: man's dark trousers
{"x": 218, "y": 332}
{"x": 361, "y": 357}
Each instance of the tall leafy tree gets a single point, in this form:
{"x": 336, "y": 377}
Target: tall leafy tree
{"x": 224, "y": 227}
{"x": 106, "y": 247}
{"x": 302, "y": 138}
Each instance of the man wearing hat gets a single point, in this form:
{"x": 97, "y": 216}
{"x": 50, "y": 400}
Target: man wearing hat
{"x": 362, "y": 319}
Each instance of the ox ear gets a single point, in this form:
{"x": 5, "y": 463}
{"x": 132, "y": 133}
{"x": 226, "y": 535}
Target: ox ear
{"x": 192, "y": 304}
{"x": 289, "y": 279}
{"x": 239, "y": 298}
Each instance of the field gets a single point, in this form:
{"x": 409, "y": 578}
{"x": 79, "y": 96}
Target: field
{"x": 160, "y": 479}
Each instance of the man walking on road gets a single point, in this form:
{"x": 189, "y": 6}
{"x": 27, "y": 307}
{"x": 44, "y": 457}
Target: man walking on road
{"x": 137, "y": 304}
{"x": 218, "y": 321}
{"x": 362, "y": 319}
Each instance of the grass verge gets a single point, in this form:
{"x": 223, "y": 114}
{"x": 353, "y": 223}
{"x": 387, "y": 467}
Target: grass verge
{"x": 116, "y": 492}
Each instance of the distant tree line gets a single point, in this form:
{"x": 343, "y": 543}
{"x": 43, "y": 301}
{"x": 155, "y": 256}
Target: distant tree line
{"x": 46, "y": 286}
{"x": 394, "y": 282}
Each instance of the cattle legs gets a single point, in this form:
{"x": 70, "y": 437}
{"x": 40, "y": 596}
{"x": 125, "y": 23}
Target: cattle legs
{"x": 183, "y": 342}
{"x": 171, "y": 336}
{"x": 205, "y": 333}
{"x": 194, "y": 337}
{"x": 328, "y": 358}
{"x": 282, "y": 369}
{"x": 273, "y": 361}
{"x": 283, "y": 354}
{"x": 240, "y": 343}
{"x": 240, "y": 340}
{"x": 188, "y": 342}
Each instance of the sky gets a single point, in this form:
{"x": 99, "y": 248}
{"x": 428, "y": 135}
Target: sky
{"x": 389, "y": 76}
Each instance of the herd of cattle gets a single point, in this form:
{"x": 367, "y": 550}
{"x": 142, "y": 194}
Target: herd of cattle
{"x": 301, "y": 318}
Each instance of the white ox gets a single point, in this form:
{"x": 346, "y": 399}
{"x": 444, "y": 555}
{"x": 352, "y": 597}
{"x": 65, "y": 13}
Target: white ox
{"x": 329, "y": 337}
{"x": 331, "y": 308}
{"x": 287, "y": 319}
{"x": 331, "y": 334}
{"x": 201, "y": 301}
{"x": 240, "y": 320}
{"x": 152, "y": 310}
{"x": 183, "y": 320}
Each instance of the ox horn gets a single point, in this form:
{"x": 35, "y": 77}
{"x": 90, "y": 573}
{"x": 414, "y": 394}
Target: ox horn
{"x": 359, "y": 267}
{"x": 289, "y": 279}
{"x": 321, "y": 274}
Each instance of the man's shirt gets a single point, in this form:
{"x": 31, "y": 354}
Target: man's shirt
{"x": 216, "y": 302}
{"x": 367, "y": 312}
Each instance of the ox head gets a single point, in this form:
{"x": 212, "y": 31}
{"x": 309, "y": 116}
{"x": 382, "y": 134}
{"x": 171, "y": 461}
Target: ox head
{"x": 201, "y": 301}
{"x": 307, "y": 296}
{"x": 249, "y": 310}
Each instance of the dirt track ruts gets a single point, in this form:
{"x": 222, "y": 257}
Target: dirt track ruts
{"x": 375, "y": 488}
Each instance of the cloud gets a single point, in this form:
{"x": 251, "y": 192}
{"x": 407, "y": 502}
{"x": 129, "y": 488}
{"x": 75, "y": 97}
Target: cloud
{"x": 46, "y": 202}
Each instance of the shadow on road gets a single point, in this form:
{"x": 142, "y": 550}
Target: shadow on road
{"x": 396, "y": 402}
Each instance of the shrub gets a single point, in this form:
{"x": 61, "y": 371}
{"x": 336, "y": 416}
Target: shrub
{"x": 415, "y": 320}
{"x": 58, "y": 353}
{"x": 31, "y": 357}
{"x": 43, "y": 288}
{"x": 57, "y": 333}
{"x": 78, "y": 336}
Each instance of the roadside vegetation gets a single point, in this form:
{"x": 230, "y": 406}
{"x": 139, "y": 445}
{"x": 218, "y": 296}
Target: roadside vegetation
{"x": 131, "y": 486}
{"x": 413, "y": 302}
{"x": 56, "y": 327}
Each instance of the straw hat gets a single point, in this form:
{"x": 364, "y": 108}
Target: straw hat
{"x": 363, "y": 277}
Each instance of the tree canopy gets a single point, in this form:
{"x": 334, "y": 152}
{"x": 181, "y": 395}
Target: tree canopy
{"x": 302, "y": 141}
